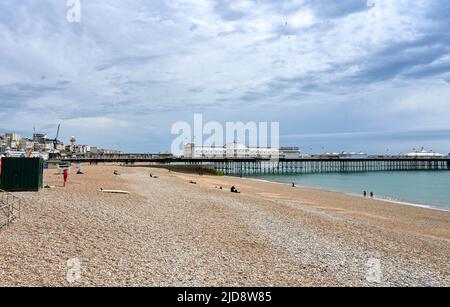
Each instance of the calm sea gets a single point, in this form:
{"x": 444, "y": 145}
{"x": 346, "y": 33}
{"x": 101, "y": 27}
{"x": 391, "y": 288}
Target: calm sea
{"x": 422, "y": 188}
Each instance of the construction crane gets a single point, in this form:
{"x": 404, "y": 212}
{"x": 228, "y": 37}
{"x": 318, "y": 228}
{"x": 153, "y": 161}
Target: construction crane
{"x": 55, "y": 141}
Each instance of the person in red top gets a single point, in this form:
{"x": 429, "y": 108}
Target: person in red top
{"x": 66, "y": 176}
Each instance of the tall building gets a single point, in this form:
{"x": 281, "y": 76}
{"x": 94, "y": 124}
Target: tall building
{"x": 3, "y": 144}
{"x": 39, "y": 138}
{"x": 13, "y": 137}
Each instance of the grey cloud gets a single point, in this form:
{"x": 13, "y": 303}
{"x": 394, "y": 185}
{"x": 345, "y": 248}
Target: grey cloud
{"x": 224, "y": 8}
{"x": 128, "y": 61}
{"x": 196, "y": 90}
{"x": 428, "y": 71}
{"x": 401, "y": 134}
{"x": 336, "y": 9}
{"x": 398, "y": 58}
{"x": 228, "y": 11}
{"x": 17, "y": 95}
{"x": 438, "y": 10}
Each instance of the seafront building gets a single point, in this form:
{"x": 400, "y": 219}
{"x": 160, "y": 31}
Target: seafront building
{"x": 10, "y": 140}
{"x": 235, "y": 150}
{"x": 14, "y": 145}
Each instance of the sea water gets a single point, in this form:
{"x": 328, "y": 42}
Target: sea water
{"x": 428, "y": 188}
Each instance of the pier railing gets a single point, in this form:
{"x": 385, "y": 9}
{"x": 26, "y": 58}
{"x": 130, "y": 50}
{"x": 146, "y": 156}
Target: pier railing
{"x": 311, "y": 166}
{"x": 9, "y": 208}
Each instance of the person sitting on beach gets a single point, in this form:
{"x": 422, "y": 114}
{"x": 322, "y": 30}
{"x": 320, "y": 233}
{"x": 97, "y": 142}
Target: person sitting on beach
{"x": 151, "y": 175}
{"x": 234, "y": 190}
{"x": 116, "y": 173}
{"x": 293, "y": 185}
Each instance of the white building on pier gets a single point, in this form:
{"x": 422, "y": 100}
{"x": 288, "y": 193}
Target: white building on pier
{"x": 424, "y": 154}
{"x": 234, "y": 150}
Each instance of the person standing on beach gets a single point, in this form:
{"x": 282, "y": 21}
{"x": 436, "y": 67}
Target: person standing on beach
{"x": 371, "y": 195}
{"x": 365, "y": 194}
{"x": 66, "y": 176}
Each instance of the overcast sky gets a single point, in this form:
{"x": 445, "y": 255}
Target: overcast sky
{"x": 338, "y": 75}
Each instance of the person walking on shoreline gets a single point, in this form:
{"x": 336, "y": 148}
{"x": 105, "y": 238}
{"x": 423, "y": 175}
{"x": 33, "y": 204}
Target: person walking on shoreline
{"x": 371, "y": 195}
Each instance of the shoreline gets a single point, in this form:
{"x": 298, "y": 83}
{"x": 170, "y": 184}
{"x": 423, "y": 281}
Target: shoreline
{"x": 386, "y": 200}
{"x": 323, "y": 189}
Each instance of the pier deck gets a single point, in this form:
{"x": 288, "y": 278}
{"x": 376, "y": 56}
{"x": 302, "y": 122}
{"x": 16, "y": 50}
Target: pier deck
{"x": 253, "y": 166}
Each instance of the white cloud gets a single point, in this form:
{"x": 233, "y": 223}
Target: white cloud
{"x": 432, "y": 99}
{"x": 99, "y": 122}
{"x": 301, "y": 19}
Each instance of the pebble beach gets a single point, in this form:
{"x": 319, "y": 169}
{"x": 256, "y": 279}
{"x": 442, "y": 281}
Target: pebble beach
{"x": 183, "y": 230}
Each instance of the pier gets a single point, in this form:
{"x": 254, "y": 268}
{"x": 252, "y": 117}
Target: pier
{"x": 312, "y": 166}
{"x": 254, "y": 166}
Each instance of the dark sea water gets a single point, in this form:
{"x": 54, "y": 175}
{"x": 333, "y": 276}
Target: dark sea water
{"x": 421, "y": 188}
